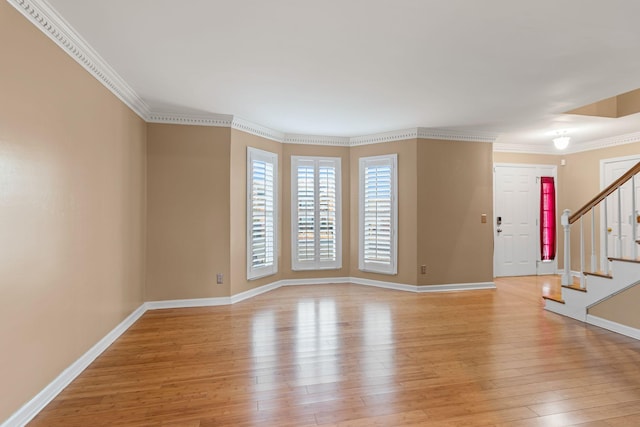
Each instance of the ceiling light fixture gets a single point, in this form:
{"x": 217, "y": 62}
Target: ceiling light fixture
{"x": 561, "y": 142}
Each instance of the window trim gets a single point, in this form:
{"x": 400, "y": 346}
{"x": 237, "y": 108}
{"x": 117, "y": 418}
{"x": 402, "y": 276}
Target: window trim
{"x": 268, "y": 157}
{"x": 317, "y": 264}
{"x": 364, "y": 265}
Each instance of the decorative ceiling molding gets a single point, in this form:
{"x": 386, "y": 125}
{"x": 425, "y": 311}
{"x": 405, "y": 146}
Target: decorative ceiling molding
{"x": 378, "y": 138}
{"x": 456, "y": 135}
{"x": 606, "y": 142}
{"x": 44, "y": 17}
{"x": 57, "y": 29}
{"x": 219, "y": 120}
{"x": 317, "y": 140}
{"x": 597, "y": 144}
{"x": 505, "y": 147}
{"x": 256, "y": 129}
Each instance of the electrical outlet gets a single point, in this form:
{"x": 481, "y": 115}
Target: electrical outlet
{"x": 219, "y": 278}
{"x": 423, "y": 269}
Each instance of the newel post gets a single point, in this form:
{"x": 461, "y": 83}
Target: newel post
{"x": 564, "y": 220}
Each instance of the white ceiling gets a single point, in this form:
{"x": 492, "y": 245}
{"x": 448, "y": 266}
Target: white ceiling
{"x": 359, "y": 67}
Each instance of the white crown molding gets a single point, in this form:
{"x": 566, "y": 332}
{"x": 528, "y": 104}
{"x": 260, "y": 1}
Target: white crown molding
{"x": 317, "y": 140}
{"x": 256, "y": 129}
{"x": 596, "y": 144}
{"x": 238, "y": 123}
{"x": 44, "y": 17}
{"x": 218, "y": 120}
{"x": 503, "y": 147}
{"x": 378, "y": 138}
{"x": 456, "y": 135}
{"x": 57, "y": 29}
{"x": 606, "y": 142}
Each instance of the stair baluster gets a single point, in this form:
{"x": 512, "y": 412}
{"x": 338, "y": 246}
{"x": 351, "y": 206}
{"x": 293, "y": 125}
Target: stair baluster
{"x": 594, "y": 257}
{"x": 564, "y": 220}
{"x": 582, "y": 278}
{"x": 576, "y": 300}
{"x": 605, "y": 236}
{"x": 634, "y": 220}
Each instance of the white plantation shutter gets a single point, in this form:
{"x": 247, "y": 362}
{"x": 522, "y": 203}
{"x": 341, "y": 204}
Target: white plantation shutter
{"x": 305, "y": 221}
{"x": 327, "y": 211}
{"x": 262, "y": 168}
{"x": 315, "y": 213}
{"x": 378, "y": 214}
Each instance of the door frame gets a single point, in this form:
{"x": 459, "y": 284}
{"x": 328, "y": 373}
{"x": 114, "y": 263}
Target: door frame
{"x": 603, "y": 184}
{"x": 546, "y": 267}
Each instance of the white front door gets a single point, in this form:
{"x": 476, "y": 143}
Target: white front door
{"x": 515, "y": 231}
{"x": 620, "y": 218}
{"x": 516, "y": 220}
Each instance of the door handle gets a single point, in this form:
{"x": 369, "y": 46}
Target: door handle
{"x": 499, "y": 230}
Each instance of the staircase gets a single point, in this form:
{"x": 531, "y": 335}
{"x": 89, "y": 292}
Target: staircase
{"x": 575, "y": 300}
{"x": 620, "y": 272}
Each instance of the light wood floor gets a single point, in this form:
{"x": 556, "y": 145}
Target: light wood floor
{"x": 360, "y": 356}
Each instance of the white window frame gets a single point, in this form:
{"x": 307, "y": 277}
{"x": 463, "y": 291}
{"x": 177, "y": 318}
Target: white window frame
{"x": 363, "y": 263}
{"x": 316, "y": 263}
{"x": 254, "y": 154}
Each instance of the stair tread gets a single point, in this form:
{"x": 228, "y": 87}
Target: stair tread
{"x": 598, "y": 273}
{"x": 575, "y": 287}
{"x": 554, "y": 297}
{"x": 637, "y": 261}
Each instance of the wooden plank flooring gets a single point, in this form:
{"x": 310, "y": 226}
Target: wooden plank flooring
{"x": 347, "y": 355}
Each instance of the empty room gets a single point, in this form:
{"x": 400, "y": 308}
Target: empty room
{"x": 290, "y": 213}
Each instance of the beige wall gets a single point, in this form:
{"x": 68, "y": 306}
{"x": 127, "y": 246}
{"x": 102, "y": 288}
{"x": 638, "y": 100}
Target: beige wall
{"x": 289, "y": 150}
{"x": 582, "y": 172}
{"x": 407, "y": 209}
{"x": 72, "y": 211}
{"x": 621, "y": 308}
{"x": 533, "y": 159}
{"x": 73, "y": 214}
{"x": 188, "y": 211}
{"x": 455, "y": 187}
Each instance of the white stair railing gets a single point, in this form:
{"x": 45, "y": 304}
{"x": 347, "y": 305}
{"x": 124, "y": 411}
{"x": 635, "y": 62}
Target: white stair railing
{"x": 602, "y": 200}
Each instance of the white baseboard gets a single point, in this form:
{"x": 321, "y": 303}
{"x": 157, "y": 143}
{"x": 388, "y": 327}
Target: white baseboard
{"x": 423, "y": 288}
{"x": 255, "y": 292}
{"x": 457, "y": 287}
{"x": 381, "y": 284}
{"x": 564, "y": 310}
{"x": 613, "y": 326}
{"x": 30, "y": 409}
{"x": 186, "y": 303}
{"x": 323, "y": 281}
{"x": 35, "y": 405}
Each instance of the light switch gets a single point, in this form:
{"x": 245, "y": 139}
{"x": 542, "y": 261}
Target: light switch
{"x": 483, "y": 218}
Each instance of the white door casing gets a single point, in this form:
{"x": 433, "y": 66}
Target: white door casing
{"x": 619, "y": 244}
{"x": 517, "y": 203}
